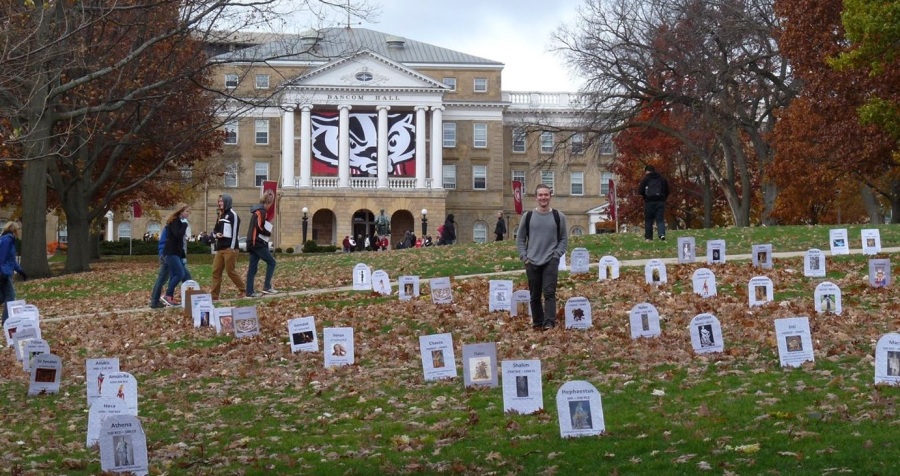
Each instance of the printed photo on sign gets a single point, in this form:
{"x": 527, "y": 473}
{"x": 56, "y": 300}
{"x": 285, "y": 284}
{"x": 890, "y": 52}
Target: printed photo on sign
{"x": 223, "y": 320}
{"x": 871, "y": 241}
{"x": 340, "y": 348}
{"x": 203, "y": 311}
{"x": 441, "y": 293}
{"x": 760, "y": 291}
{"x": 837, "y": 238}
{"x": 828, "y": 298}
{"x": 814, "y": 263}
{"x": 500, "y": 295}
{"x": 794, "y": 341}
{"x": 686, "y": 253}
{"x": 879, "y": 273}
{"x": 46, "y": 372}
{"x": 608, "y": 268}
{"x": 704, "y": 281}
{"x": 302, "y": 332}
{"x": 521, "y": 303}
{"x": 246, "y": 322}
{"x": 706, "y": 334}
{"x": 715, "y": 252}
{"x": 480, "y": 364}
{"x": 887, "y": 359}
{"x": 580, "y": 410}
{"x": 522, "y": 387}
{"x": 409, "y": 287}
{"x": 438, "y": 360}
{"x": 762, "y": 256}
{"x": 655, "y": 272}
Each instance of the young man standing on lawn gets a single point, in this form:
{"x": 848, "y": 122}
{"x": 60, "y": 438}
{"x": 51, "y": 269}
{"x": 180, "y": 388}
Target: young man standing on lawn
{"x": 541, "y": 241}
{"x": 226, "y": 235}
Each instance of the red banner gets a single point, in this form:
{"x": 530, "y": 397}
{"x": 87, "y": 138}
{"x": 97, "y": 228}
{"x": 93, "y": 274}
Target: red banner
{"x": 517, "y": 196}
{"x": 612, "y": 200}
{"x": 136, "y": 210}
{"x": 270, "y": 191}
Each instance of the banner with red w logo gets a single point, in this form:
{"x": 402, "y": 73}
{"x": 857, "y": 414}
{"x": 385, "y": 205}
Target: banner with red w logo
{"x": 270, "y": 191}
{"x": 517, "y": 196}
{"x": 612, "y": 200}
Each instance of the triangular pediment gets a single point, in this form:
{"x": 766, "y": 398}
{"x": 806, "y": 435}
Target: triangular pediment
{"x": 366, "y": 70}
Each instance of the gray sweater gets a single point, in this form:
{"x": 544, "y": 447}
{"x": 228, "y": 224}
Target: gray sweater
{"x": 542, "y": 245}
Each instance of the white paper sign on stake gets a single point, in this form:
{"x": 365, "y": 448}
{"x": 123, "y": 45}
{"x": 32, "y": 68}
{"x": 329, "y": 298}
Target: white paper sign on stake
{"x": 223, "y": 321}
{"x": 33, "y": 349}
{"x": 686, "y": 250}
{"x": 96, "y": 371}
{"x": 704, "y": 282}
{"x": 521, "y": 303}
{"x": 794, "y": 341}
{"x": 339, "y": 346}
{"x": 828, "y": 298}
{"x": 123, "y": 445}
{"x": 441, "y": 292}
{"x": 246, "y": 322}
{"x": 124, "y": 386}
{"x": 580, "y": 410}
{"x": 409, "y": 287}
{"x": 760, "y": 291}
{"x": 879, "y": 273}
{"x": 381, "y": 283}
{"x": 189, "y": 284}
{"x": 887, "y": 359}
{"x": 101, "y": 408}
{"x": 644, "y": 319}
{"x": 871, "y": 241}
{"x": 522, "y": 387}
{"x": 814, "y": 263}
{"x": 21, "y": 338}
{"x": 837, "y": 239}
{"x": 500, "y": 295}
{"x": 562, "y": 263}
{"x": 202, "y": 312}
{"x": 706, "y": 334}
{"x": 13, "y": 308}
{"x": 762, "y": 256}
{"x": 608, "y": 268}
{"x": 46, "y": 373}
{"x": 17, "y": 324}
{"x": 715, "y": 252}
{"x": 362, "y": 277}
{"x": 302, "y": 333}
{"x": 655, "y": 272}
{"x": 578, "y": 313}
{"x": 479, "y": 363}
{"x": 581, "y": 261}
{"x": 438, "y": 360}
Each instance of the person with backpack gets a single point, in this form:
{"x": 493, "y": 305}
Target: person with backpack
{"x": 542, "y": 240}
{"x": 655, "y": 190}
{"x": 258, "y": 247}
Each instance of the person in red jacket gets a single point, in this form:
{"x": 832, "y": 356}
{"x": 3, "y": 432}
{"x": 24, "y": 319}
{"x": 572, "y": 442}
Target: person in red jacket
{"x": 258, "y": 236}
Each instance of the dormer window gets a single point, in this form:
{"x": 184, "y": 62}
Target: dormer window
{"x": 364, "y": 76}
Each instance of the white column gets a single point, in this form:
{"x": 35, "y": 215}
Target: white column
{"x": 109, "y": 226}
{"x": 287, "y": 148}
{"x": 437, "y": 147}
{"x": 383, "y": 146}
{"x": 421, "y": 152}
{"x": 305, "y": 146}
{"x": 344, "y": 146}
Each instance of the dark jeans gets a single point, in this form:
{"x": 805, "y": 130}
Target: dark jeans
{"x": 654, "y": 211}
{"x": 179, "y": 273}
{"x": 160, "y": 280}
{"x": 7, "y": 294}
{"x": 256, "y": 254}
{"x": 542, "y": 281}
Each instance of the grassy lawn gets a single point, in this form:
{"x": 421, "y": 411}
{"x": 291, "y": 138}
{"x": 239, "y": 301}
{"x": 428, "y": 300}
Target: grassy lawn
{"x": 220, "y": 406}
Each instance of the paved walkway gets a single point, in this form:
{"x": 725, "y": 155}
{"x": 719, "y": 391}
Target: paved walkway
{"x": 623, "y": 263}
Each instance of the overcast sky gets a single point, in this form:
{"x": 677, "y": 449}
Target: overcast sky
{"x": 513, "y": 32}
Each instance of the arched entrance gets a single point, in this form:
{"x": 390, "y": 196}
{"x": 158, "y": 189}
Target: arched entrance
{"x": 401, "y": 222}
{"x": 363, "y": 224}
{"x": 323, "y": 227}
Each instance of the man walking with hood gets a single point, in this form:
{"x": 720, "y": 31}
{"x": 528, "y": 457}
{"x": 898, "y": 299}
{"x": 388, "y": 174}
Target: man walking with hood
{"x": 226, "y": 235}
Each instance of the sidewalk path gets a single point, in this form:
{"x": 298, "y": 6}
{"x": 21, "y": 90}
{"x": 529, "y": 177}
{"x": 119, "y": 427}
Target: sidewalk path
{"x": 623, "y": 263}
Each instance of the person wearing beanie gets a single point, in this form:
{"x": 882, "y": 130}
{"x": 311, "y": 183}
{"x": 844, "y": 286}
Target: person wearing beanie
{"x": 655, "y": 190}
{"x": 226, "y": 235}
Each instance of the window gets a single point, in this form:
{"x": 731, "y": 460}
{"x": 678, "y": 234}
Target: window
{"x": 231, "y": 171}
{"x": 451, "y": 83}
{"x": 605, "y": 177}
{"x": 546, "y": 142}
{"x": 547, "y": 178}
{"x": 231, "y": 81}
{"x": 262, "y": 131}
{"x": 577, "y": 143}
{"x": 449, "y": 134}
{"x": 364, "y": 76}
{"x": 262, "y": 81}
{"x": 449, "y": 176}
{"x": 479, "y": 132}
{"x": 520, "y": 176}
{"x": 231, "y": 132}
{"x": 124, "y": 230}
{"x": 518, "y": 140}
{"x": 261, "y": 173}
{"x": 606, "y": 146}
{"x": 576, "y": 183}
{"x": 187, "y": 174}
{"x": 576, "y": 231}
{"x": 62, "y": 235}
{"x": 154, "y": 228}
{"x": 480, "y": 85}
{"x": 479, "y": 177}
{"x": 479, "y": 232}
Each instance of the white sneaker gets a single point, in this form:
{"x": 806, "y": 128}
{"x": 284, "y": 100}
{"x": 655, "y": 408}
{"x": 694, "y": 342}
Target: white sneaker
{"x": 270, "y": 291}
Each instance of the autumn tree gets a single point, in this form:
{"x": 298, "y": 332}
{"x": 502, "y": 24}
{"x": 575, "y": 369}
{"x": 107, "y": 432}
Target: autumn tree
{"x": 823, "y": 146}
{"x": 108, "y": 101}
{"x": 715, "y": 61}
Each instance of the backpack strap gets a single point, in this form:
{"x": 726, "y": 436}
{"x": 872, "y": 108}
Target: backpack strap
{"x": 527, "y": 223}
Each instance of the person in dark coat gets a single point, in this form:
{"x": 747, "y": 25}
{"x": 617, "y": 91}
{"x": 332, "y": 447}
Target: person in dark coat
{"x": 448, "y": 233}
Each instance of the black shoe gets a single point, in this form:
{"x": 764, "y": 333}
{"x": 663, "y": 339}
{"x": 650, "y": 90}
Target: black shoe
{"x": 662, "y": 237}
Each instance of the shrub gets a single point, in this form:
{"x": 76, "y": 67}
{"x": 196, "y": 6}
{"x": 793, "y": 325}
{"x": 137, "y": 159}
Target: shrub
{"x": 310, "y": 247}
{"x": 290, "y": 250}
{"x": 278, "y": 249}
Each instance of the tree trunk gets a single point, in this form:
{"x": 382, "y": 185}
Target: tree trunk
{"x": 78, "y": 259}
{"x": 707, "y": 200}
{"x": 873, "y": 208}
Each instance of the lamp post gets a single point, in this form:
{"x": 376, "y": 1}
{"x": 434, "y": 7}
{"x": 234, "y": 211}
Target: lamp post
{"x": 305, "y": 223}
{"x": 424, "y": 223}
